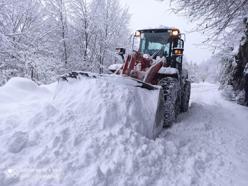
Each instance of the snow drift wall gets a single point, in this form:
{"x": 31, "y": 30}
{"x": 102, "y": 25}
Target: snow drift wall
{"x": 81, "y": 132}
{"x": 106, "y": 101}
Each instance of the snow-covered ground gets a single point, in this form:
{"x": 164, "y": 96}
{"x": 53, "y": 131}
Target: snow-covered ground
{"x": 60, "y": 135}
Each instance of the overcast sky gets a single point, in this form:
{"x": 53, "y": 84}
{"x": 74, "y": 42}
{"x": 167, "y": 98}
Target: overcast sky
{"x": 153, "y": 13}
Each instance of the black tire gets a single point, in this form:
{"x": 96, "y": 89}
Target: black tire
{"x": 185, "y": 96}
{"x": 172, "y": 99}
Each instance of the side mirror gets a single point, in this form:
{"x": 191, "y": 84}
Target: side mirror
{"x": 177, "y": 51}
{"x": 121, "y": 52}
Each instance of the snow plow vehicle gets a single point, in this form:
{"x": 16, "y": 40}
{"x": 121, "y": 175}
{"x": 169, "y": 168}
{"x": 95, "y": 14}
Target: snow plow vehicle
{"x": 158, "y": 61}
{"x": 156, "y": 65}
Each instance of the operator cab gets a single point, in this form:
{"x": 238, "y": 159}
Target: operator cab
{"x": 164, "y": 42}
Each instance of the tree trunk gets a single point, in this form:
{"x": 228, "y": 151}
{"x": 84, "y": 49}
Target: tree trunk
{"x": 63, "y": 31}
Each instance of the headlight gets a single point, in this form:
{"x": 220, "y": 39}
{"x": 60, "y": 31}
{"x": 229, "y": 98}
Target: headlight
{"x": 178, "y": 51}
{"x": 175, "y": 32}
{"x": 137, "y": 34}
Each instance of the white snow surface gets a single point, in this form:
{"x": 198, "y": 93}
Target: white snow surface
{"x": 168, "y": 70}
{"x": 89, "y": 132}
{"x": 115, "y": 66}
{"x": 246, "y": 69}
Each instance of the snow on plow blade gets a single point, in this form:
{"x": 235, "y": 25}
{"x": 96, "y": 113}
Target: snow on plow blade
{"x": 121, "y": 101}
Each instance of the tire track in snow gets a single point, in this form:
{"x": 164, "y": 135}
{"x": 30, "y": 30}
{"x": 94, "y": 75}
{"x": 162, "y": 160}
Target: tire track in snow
{"x": 212, "y": 139}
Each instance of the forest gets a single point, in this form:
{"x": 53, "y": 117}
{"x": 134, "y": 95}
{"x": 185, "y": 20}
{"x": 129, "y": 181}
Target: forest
{"x": 41, "y": 39}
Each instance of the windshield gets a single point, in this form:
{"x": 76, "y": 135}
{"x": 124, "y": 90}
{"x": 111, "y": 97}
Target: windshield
{"x": 152, "y": 43}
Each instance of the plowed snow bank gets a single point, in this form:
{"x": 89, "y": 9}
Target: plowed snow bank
{"x": 80, "y": 128}
{"x": 107, "y": 101}
{"x": 81, "y": 133}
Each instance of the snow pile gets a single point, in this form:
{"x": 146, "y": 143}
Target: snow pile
{"x": 115, "y": 67}
{"x": 89, "y": 132}
{"x": 106, "y": 101}
{"x": 81, "y": 132}
{"x": 168, "y": 70}
{"x": 19, "y": 89}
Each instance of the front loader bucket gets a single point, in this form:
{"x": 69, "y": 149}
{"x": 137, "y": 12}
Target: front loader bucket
{"x": 158, "y": 123}
{"x": 130, "y": 101}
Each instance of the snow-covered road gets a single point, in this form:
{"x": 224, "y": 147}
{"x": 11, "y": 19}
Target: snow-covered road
{"x": 50, "y": 138}
{"x": 211, "y": 140}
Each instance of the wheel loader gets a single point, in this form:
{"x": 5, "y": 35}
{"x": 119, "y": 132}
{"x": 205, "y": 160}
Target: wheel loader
{"x": 158, "y": 60}
{"x": 155, "y": 64}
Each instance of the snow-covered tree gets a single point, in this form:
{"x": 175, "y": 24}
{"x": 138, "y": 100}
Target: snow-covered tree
{"x": 110, "y": 30}
{"x": 19, "y": 27}
{"x": 56, "y": 18}
{"x": 214, "y": 17}
{"x": 43, "y": 38}
{"x": 99, "y": 27}
{"x": 193, "y": 71}
{"x": 234, "y": 76}
{"x": 224, "y": 23}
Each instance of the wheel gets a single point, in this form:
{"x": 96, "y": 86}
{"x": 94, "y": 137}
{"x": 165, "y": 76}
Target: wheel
{"x": 185, "y": 96}
{"x": 172, "y": 99}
